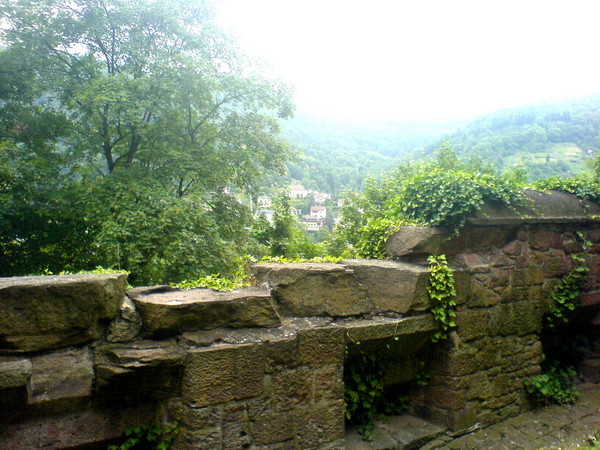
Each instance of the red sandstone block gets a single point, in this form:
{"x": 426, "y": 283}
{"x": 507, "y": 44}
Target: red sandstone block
{"x": 513, "y": 248}
{"x": 590, "y": 298}
{"x": 557, "y": 242}
{"x": 540, "y": 240}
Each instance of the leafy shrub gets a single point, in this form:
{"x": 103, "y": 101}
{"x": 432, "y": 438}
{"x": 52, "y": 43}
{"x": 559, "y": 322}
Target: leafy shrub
{"x": 443, "y": 192}
{"x": 554, "y": 385}
{"x": 583, "y": 187}
{"x": 316, "y": 259}
{"x": 215, "y": 282}
{"x": 148, "y": 436}
{"x": 565, "y": 296}
{"x": 437, "y": 197}
{"x": 374, "y": 235}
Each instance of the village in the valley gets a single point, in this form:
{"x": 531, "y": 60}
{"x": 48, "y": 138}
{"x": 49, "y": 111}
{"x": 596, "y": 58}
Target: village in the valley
{"x": 315, "y": 210}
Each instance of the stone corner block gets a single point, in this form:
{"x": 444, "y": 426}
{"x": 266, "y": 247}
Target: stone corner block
{"x": 14, "y": 372}
{"x": 392, "y": 286}
{"x": 325, "y": 289}
{"x": 139, "y": 370}
{"x": 49, "y": 312}
{"x": 62, "y": 377}
{"x": 419, "y": 240}
{"x": 169, "y": 313}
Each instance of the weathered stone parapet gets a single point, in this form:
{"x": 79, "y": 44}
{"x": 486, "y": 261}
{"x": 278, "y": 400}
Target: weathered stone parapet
{"x": 169, "y": 312}
{"x": 314, "y": 289}
{"x": 497, "y": 225}
{"x": 352, "y": 287}
{"x": 283, "y": 387}
{"x": 138, "y": 372}
{"x": 263, "y": 367}
{"x": 539, "y": 207}
{"x": 392, "y": 286}
{"x": 48, "y": 312}
{"x": 74, "y": 430}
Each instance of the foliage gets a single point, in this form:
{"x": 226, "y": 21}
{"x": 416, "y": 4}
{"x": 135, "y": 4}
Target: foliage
{"x": 554, "y": 385}
{"x": 219, "y": 283}
{"x": 99, "y": 270}
{"x": 215, "y": 282}
{"x": 583, "y": 187}
{"x": 443, "y": 295}
{"x": 148, "y": 436}
{"x": 317, "y": 259}
{"x": 565, "y": 296}
{"x": 121, "y": 125}
{"x": 374, "y": 235}
{"x": 364, "y": 398}
{"x": 437, "y": 197}
{"x": 561, "y": 348}
{"x": 548, "y": 140}
{"x": 286, "y": 238}
{"x": 34, "y": 193}
{"x": 442, "y": 192}
{"x": 423, "y": 374}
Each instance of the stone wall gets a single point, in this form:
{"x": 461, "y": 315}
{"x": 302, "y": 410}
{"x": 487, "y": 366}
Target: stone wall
{"x": 82, "y": 358}
{"x": 514, "y": 258}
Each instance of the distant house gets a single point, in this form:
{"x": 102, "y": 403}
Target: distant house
{"x": 297, "y": 191}
{"x": 340, "y": 202}
{"x": 320, "y": 197}
{"x": 312, "y": 223}
{"x": 319, "y": 212}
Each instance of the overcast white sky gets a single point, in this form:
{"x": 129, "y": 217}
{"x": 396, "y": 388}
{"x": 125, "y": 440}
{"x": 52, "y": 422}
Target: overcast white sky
{"x": 422, "y": 59}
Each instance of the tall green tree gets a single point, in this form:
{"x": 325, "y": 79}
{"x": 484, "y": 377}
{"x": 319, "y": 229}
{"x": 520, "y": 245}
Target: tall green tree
{"x": 151, "y": 112}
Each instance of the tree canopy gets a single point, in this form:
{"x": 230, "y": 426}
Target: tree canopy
{"x": 125, "y": 122}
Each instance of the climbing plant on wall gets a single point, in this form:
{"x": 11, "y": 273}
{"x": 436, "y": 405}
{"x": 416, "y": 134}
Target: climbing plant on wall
{"x": 441, "y": 192}
{"x": 442, "y": 294}
{"x": 364, "y": 399}
{"x": 555, "y": 383}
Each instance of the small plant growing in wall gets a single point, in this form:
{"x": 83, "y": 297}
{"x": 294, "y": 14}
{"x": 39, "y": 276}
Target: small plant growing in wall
{"x": 443, "y": 295}
{"x": 364, "y": 398}
{"x": 148, "y": 436}
{"x": 554, "y": 385}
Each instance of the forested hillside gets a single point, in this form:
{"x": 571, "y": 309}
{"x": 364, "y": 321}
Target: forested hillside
{"x": 550, "y": 139}
{"x": 336, "y": 155}
{"x": 390, "y": 138}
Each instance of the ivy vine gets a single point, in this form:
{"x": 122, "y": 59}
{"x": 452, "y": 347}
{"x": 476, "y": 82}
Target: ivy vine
{"x": 443, "y": 295}
{"x": 556, "y": 382}
{"x": 364, "y": 398}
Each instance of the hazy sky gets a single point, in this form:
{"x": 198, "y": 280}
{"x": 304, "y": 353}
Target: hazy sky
{"x": 422, "y": 59}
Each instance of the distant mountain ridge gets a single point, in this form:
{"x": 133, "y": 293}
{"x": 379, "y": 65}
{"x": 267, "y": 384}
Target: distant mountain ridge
{"x": 548, "y": 139}
{"x": 389, "y": 138}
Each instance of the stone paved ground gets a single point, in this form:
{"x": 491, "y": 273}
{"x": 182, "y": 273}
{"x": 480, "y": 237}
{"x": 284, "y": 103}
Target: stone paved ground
{"x": 551, "y": 427}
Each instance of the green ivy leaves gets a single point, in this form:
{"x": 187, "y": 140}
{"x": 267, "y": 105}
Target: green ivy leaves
{"x": 566, "y": 294}
{"x": 364, "y": 399}
{"x": 555, "y": 385}
{"x": 442, "y": 294}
